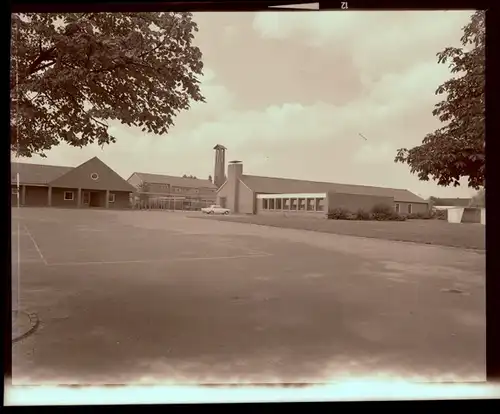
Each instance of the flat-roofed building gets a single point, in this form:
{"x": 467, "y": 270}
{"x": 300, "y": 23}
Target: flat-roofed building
{"x": 250, "y": 194}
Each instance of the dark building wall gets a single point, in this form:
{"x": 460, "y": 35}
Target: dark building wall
{"x": 415, "y": 207}
{"x": 58, "y": 197}
{"x": 122, "y": 200}
{"x": 36, "y": 196}
{"x": 101, "y": 197}
{"x": 354, "y": 202}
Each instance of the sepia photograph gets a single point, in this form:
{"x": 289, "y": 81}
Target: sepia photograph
{"x": 247, "y": 197}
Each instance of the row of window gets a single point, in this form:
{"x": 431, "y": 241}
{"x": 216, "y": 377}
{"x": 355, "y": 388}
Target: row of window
{"x": 308, "y": 204}
{"x": 166, "y": 187}
{"x": 70, "y": 196}
{"x": 293, "y": 204}
{"x": 397, "y": 208}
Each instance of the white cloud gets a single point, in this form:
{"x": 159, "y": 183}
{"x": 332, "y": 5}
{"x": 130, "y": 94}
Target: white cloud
{"x": 394, "y": 58}
{"x": 370, "y": 154}
{"x": 377, "y": 41}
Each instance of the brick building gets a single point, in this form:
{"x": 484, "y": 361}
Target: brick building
{"x": 250, "y": 194}
{"x": 170, "y": 192}
{"x": 91, "y": 184}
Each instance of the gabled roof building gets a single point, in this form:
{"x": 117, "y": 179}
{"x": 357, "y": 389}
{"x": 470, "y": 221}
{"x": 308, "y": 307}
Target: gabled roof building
{"x": 91, "y": 184}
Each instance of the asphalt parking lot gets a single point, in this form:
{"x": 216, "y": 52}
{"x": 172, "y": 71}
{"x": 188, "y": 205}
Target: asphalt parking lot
{"x": 140, "y": 296}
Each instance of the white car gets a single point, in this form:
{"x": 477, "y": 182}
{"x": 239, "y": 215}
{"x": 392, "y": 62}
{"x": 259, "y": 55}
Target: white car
{"x": 215, "y": 209}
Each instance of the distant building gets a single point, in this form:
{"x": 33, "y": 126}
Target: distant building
{"x": 171, "y": 192}
{"x": 451, "y": 202}
{"x": 91, "y": 184}
{"x": 250, "y": 194}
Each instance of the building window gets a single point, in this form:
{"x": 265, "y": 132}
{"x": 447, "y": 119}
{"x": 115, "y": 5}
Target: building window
{"x": 302, "y": 204}
{"x": 409, "y": 208}
{"x": 15, "y": 191}
{"x": 310, "y": 204}
{"x": 293, "y": 204}
{"x": 278, "y": 204}
{"x": 320, "y": 204}
{"x": 286, "y": 204}
{"x": 396, "y": 207}
{"x": 94, "y": 176}
{"x": 69, "y": 196}
{"x": 264, "y": 204}
{"x": 111, "y": 198}
{"x": 271, "y": 204}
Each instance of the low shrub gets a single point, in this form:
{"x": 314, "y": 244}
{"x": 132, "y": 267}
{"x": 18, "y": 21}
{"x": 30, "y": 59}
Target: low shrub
{"x": 397, "y": 217}
{"x": 339, "y": 214}
{"x": 387, "y": 217}
{"x": 384, "y": 212}
{"x": 362, "y": 215}
{"x": 382, "y": 209}
{"x": 439, "y": 214}
{"x": 419, "y": 216}
{"x": 379, "y": 213}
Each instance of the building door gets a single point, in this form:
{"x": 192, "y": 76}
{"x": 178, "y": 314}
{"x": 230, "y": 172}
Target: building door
{"x": 86, "y": 198}
{"x": 95, "y": 199}
{"x": 223, "y": 202}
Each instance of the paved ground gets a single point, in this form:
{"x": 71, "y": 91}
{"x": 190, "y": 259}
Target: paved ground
{"x": 135, "y": 296}
{"x": 436, "y": 232}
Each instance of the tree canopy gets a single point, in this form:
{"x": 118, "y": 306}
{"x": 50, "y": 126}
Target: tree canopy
{"x": 458, "y": 148}
{"x": 72, "y": 73}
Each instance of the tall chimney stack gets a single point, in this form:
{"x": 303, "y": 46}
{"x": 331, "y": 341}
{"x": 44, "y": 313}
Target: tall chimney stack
{"x": 220, "y": 165}
{"x": 234, "y": 174}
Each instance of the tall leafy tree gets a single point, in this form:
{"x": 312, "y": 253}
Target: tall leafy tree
{"x": 457, "y": 149}
{"x": 72, "y": 73}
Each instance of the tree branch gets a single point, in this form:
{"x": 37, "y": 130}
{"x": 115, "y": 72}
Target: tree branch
{"x": 160, "y": 44}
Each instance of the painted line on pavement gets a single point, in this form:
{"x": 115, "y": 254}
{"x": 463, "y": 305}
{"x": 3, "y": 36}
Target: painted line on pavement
{"x": 190, "y": 259}
{"x": 36, "y": 245}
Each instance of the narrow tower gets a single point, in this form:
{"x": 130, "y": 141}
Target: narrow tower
{"x": 220, "y": 165}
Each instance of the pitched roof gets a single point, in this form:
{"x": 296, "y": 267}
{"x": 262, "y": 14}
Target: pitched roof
{"x": 80, "y": 177}
{"x": 36, "y": 173}
{"x": 39, "y": 174}
{"x": 272, "y": 185}
{"x": 175, "y": 181}
{"x": 455, "y": 202}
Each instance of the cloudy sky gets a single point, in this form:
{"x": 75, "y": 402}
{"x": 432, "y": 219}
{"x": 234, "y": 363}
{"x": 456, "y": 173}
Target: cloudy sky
{"x": 289, "y": 94}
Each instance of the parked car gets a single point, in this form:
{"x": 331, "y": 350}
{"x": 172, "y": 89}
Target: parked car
{"x": 215, "y": 209}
